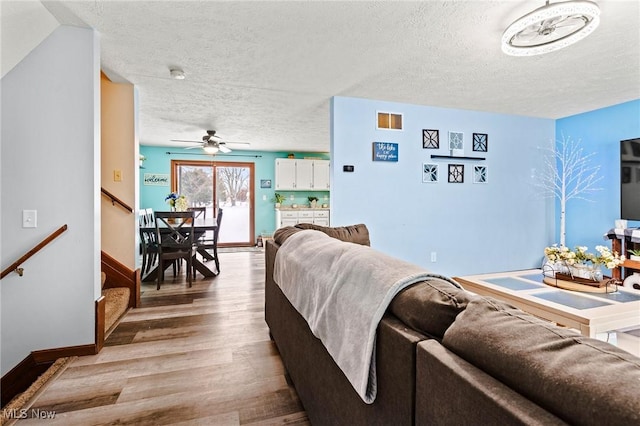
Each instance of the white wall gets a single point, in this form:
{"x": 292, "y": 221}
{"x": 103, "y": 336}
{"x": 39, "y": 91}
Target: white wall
{"x": 472, "y": 228}
{"x": 51, "y": 163}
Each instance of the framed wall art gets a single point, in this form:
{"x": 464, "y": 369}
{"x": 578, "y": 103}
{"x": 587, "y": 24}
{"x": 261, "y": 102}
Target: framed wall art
{"x": 385, "y": 151}
{"x": 480, "y": 142}
{"x": 456, "y": 173}
{"x": 156, "y": 179}
{"x": 456, "y": 143}
{"x": 479, "y": 174}
{"x": 430, "y": 139}
{"x": 265, "y": 183}
{"x": 429, "y": 173}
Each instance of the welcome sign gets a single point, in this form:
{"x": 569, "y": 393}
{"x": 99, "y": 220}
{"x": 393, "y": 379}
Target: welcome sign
{"x": 156, "y": 179}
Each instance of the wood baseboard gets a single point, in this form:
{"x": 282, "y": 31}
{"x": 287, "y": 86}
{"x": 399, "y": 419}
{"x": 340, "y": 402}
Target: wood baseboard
{"x": 50, "y": 355}
{"x": 100, "y": 323}
{"x": 21, "y": 377}
{"x": 33, "y": 366}
{"x": 118, "y": 275}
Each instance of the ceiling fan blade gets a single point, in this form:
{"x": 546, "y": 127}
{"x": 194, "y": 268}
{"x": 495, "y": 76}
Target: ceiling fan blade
{"x": 194, "y": 147}
{"x": 238, "y": 143}
{"x": 184, "y": 140}
{"x": 224, "y": 149}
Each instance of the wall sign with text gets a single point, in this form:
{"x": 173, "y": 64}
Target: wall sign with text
{"x": 156, "y": 179}
{"x": 385, "y": 151}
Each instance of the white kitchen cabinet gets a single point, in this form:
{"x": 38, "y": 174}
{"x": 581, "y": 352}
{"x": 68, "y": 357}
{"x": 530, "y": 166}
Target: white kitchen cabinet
{"x": 293, "y": 217}
{"x": 321, "y": 175}
{"x": 302, "y": 175}
{"x": 285, "y": 173}
{"x": 321, "y": 217}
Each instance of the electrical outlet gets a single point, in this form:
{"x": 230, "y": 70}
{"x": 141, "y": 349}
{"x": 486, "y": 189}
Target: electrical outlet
{"x": 434, "y": 256}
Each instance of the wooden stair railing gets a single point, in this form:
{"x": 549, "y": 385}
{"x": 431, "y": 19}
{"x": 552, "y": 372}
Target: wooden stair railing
{"x": 15, "y": 266}
{"x": 115, "y": 200}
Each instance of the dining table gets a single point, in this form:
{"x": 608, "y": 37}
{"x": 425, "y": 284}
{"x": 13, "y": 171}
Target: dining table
{"x": 200, "y": 227}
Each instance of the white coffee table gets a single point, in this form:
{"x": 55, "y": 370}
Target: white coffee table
{"x": 590, "y": 313}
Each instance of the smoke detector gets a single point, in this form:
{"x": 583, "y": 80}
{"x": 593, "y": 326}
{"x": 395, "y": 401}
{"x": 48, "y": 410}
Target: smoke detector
{"x": 176, "y": 74}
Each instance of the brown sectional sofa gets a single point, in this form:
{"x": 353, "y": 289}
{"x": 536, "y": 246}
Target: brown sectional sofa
{"x": 447, "y": 357}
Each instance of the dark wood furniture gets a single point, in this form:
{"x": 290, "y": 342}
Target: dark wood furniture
{"x": 175, "y": 234}
{"x": 200, "y": 227}
{"x": 208, "y": 247}
{"x": 623, "y": 240}
{"x": 199, "y": 212}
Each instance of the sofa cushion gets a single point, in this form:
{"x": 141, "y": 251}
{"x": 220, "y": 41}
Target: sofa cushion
{"x": 430, "y": 306}
{"x": 281, "y": 234}
{"x": 579, "y": 379}
{"x": 358, "y": 234}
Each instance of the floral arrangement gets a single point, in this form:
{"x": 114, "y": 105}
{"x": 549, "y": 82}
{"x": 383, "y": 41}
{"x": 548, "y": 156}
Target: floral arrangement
{"x": 580, "y": 256}
{"x": 179, "y": 202}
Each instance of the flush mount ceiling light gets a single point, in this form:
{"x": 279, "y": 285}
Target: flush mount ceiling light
{"x": 176, "y": 74}
{"x": 550, "y": 27}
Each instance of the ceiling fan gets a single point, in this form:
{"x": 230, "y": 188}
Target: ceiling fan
{"x": 211, "y": 143}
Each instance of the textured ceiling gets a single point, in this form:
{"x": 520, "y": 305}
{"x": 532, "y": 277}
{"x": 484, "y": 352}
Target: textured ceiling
{"x": 264, "y": 72}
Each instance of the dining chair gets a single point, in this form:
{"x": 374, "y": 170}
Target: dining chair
{"x": 174, "y": 231}
{"x": 199, "y": 212}
{"x": 149, "y": 249}
{"x": 142, "y": 218}
{"x": 149, "y": 215}
{"x": 212, "y": 244}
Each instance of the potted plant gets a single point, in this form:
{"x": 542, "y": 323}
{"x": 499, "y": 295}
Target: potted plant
{"x": 634, "y": 255}
{"x": 312, "y": 202}
{"x": 279, "y": 199}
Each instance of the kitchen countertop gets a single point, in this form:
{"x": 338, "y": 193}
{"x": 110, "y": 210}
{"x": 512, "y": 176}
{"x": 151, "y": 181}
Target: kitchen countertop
{"x": 289, "y": 208}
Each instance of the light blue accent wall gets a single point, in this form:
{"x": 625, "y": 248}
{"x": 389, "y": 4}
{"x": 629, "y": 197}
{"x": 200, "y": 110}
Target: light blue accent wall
{"x": 599, "y": 131}
{"x": 473, "y": 228}
{"x": 159, "y": 162}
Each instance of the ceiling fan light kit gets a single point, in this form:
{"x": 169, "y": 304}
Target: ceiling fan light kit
{"x": 551, "y": 27}
{"x": 209, "y": 143}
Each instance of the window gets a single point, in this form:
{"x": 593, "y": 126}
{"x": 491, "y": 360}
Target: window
{"x": 228, "y": 185}
{"x": 389, "y": 120}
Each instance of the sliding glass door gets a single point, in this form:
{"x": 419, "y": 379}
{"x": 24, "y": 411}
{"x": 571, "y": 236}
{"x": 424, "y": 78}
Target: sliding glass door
{"x": 223, "y": 185}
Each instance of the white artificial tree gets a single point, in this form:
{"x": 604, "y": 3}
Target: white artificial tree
{"x": 568, "y": 174}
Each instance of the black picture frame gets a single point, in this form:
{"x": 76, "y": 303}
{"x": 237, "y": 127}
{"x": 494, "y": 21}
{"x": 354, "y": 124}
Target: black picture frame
{"x": 456, "y": 173}
{"x": 430, "y": 139}
{"x": 480, "y": 142}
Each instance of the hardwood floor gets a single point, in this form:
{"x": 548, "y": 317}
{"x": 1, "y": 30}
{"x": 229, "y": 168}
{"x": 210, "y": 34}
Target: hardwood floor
{"x": 187, "y": 356}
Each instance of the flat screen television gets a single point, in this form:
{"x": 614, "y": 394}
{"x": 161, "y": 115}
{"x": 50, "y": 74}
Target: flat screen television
{"x": 630, "y": 179}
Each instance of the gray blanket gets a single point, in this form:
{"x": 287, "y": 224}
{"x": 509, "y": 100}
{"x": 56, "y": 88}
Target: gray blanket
{"x": 342, "y": 290}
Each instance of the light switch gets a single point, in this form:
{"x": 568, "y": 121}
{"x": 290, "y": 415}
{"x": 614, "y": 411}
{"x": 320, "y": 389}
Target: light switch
{"x": 117, "y": 175}
{"x": 29, "y": 218}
